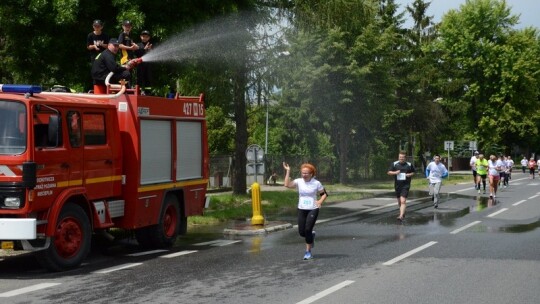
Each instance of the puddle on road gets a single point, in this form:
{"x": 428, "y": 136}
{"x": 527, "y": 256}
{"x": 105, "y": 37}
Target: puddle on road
{"x": 482, "y": 203}
{"x": 521, "y": 227}
{"x": 443, "y": 216}
{"x": 417, "y": 215}
{"x": 445, "y": 219}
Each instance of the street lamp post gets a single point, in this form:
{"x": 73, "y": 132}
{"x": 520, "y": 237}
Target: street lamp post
{"x": 266, "y": 131}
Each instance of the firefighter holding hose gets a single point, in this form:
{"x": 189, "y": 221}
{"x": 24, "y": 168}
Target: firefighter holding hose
{"x": 106, "y": 62}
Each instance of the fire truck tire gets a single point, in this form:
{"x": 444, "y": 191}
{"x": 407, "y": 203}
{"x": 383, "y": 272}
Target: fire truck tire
{"x": 163, "y": 234}
{"x": 71, "y": 242}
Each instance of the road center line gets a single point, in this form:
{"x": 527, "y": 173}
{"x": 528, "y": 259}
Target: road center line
{"x": 465, "y": 227}
{"x": 120, "y": 267}
{"x": 146, "y": 252}
{"x": 408, "y": 254}
{"x": 462, "y": 190}
{"x": 519, "y": 203}
{"x": 354, "y": 213}
{"x": 28, "y": 289}
{"x": 495, "y": 213}
{"x": 326, "y": 292}
{"x": 173, "y": 255}
{"x": 218, "y": 243}
{"x": 226, "y": 243}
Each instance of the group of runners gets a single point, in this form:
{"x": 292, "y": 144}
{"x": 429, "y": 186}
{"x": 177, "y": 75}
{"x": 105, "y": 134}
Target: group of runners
{"x": 497, "y": 170}
{"x": 531, "y": 164}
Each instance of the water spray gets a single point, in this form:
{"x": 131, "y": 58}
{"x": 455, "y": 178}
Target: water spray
{"x": 220, "y": 39}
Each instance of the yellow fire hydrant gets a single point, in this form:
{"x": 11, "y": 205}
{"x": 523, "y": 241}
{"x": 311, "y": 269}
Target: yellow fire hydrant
{"x": 257, "y": 218}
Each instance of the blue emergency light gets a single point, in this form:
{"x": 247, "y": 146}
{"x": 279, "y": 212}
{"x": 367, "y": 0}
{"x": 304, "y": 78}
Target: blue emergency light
{"x": 20, "y": 88}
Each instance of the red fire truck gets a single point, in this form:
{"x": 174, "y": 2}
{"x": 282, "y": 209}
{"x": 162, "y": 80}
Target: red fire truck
{"x": 76, "y": 164}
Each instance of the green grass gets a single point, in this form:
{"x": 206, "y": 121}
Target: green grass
{"x": 226, "y": 206}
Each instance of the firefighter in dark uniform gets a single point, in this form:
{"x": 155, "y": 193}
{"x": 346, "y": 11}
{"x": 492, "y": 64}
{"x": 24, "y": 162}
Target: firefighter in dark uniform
{"x": 106, "y": 62}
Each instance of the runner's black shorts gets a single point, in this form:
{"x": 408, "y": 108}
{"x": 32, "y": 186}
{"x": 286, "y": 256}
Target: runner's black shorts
{"x": 402, "y": 191}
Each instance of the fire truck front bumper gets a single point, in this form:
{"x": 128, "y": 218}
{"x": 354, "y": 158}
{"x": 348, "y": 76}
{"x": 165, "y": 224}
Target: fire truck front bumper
{"x": 17, "y": 229}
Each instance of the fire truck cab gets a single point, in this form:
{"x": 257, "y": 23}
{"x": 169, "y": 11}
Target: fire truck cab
{"x": 74, "y": 164}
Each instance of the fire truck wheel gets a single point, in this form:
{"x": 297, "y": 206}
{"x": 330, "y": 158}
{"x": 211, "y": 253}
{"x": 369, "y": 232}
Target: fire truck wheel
{"x": 165, "y": 232}
{"x": 71, "y": 242}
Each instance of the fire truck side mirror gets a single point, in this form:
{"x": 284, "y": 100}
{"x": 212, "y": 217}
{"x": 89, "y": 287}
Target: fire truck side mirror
{"x": 55, "y": 130}
{"x": 29, "y": 174}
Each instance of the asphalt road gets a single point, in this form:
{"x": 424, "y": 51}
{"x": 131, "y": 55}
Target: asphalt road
{"x": 469, "y": 250}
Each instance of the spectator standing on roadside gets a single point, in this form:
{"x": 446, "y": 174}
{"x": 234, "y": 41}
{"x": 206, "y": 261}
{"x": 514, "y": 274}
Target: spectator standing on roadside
{"x": 532, "y": 167}
{"x": 308, "y": 204}
{"x": 482, "y": 170}
{"x": 472, "y": 163}
{"x": 97, "y": 40}
{"x": 402, "y": 172}
{"x": 143, "y": 69}
{"x": 435, "y": 172}
{"x": 524, "y": 163}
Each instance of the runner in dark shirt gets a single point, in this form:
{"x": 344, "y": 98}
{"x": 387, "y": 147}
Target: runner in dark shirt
{"x": 402, "y": 172}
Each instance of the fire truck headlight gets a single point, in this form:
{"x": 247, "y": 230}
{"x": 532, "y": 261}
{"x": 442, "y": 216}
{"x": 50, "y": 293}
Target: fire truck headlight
{"x": 13, "y": 202}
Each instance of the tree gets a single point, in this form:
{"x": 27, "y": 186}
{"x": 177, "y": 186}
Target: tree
{"x": 490, "y": 72}
{"x": 342, "y": 53}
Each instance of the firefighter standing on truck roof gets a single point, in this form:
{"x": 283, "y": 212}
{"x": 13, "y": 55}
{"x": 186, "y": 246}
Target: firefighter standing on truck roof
{"x": 96, "y": 41}
{"x": 106, "y": 62}
{"x": 143, "y": 69}
{"x": 127, "y": 45}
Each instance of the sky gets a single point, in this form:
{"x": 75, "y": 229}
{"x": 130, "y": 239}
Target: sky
{"x": 527, "y": 9}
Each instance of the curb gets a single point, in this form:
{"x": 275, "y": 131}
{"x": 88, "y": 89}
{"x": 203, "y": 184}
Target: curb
{"x": 248, "y": 229}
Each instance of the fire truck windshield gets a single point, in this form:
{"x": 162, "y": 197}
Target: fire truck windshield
{"x": 12, "y": 127}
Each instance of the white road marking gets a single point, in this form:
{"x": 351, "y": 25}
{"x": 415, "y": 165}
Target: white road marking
{"x": 146, "y": 252}
{"x": 116, "y": 268}
{"x": 207, "y": 243}
{"x": 498, "y": 212}
{"x": 462, "y": 190}
{"x": 534, "y": 196}
{"x": 28, "y": 289}
{"x": 176, "y": 254}
{"x": 217, "y": 243}
{"x": 519, "y": 203}
{"x": 355, "y": 213}
{"x": 225, "y": 243}
{"x": 465, "y": 227}
{"x": 326, "y": 292}
{"x": 408, "y": 254}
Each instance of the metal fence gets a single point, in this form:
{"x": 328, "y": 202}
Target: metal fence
{"x": 222, "y": 172}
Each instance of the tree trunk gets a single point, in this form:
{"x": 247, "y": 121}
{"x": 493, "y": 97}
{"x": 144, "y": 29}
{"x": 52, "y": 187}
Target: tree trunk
{"x": 241, "y": 135}
{"x": 343, "y": 154}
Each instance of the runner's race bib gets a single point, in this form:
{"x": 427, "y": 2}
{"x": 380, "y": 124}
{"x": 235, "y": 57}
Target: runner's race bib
{"x": 307, "y": 202}
{"x": 401, "y": 177}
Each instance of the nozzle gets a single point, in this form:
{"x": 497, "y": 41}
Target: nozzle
{"x": 133, "y": 63}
